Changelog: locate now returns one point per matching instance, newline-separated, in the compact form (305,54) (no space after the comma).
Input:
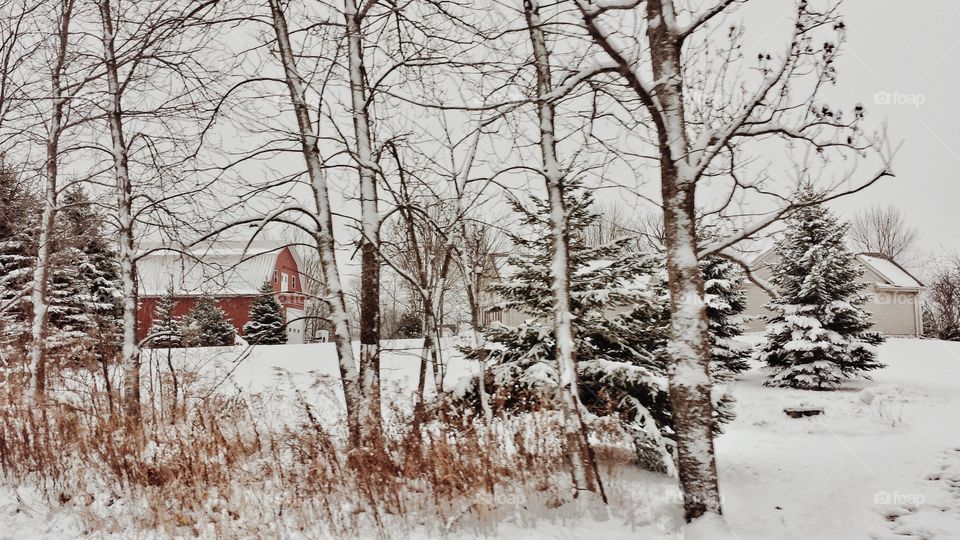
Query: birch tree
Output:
(326,246)
(157,45)
(124,192)
(577,445)
(360,100)
(59,96)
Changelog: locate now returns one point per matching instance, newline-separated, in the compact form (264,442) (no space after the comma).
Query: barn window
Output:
(274,276)
(293,281)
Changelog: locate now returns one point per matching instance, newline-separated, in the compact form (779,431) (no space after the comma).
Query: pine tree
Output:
(621,331)
(165,327)
(410,325)
(84,289)
(726,301)
(818,337)
(18,218)
(267,325)
(207,325)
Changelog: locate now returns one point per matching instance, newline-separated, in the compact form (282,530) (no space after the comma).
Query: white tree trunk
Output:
(124,192)
(326,246)
(577,446)
(41,273)
(370,260)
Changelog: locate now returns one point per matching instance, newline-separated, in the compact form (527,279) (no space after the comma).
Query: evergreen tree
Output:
(19,207)
(84,288)
(621,328)
(267,325)
(410,325)
(165,327)
(207,325)
(726,301)
(818,337)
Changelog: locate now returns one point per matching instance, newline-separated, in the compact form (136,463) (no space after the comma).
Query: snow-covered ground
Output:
(865,468)
(882,462)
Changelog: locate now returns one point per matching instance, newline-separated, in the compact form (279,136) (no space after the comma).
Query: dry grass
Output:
(222,467)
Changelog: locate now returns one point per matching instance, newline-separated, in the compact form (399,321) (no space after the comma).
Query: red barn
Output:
(232,273)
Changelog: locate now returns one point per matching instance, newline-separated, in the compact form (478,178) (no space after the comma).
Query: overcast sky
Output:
(911,51)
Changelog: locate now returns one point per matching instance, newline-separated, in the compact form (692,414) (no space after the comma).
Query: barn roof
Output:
(222,268)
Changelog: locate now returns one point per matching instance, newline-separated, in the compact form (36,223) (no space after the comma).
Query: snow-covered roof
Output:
(888,269)
(231,268)
(881,265)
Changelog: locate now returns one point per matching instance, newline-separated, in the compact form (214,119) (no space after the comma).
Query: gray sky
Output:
(910,50)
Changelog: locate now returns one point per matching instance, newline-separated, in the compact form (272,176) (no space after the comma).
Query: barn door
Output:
(285,284)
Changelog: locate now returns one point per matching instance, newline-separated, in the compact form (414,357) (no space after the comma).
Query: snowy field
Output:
(882,462)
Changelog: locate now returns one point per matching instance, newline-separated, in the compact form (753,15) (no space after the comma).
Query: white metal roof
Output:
(217,268)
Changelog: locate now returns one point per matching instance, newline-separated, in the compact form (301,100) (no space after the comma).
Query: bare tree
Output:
(941,300)
(360,98)
(326,246)
(583,467)
(884,231)
(699,137)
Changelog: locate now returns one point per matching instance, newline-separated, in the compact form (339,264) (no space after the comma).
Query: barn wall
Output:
(237,309)
(286,265)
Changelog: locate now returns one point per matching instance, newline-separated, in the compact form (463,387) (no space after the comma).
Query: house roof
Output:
(222,268)
(883,266)
(889,269)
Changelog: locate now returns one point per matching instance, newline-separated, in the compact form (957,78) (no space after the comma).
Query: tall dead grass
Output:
(209,464)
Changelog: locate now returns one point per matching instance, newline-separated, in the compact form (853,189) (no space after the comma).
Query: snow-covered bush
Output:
(819,336)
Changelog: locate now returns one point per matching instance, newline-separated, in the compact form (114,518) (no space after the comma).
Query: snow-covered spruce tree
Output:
(267,325)
(726,301)
(818,337)
(410,325)
(18,222)
(84,289)
(207,325)
(165,331)
(621,327)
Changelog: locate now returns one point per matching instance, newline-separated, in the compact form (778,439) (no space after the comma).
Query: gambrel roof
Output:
(222,268)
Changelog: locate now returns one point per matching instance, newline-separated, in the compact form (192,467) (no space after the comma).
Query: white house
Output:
(894,302)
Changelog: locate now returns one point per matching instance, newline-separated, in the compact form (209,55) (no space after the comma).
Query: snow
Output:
(222,267)
(890,270)
(883,461)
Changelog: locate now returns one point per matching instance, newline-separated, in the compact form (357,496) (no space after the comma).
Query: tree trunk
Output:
(128,270)
(690,386)
(474,284)
(582,467)
(326,247)
(41,273)
(370,259)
